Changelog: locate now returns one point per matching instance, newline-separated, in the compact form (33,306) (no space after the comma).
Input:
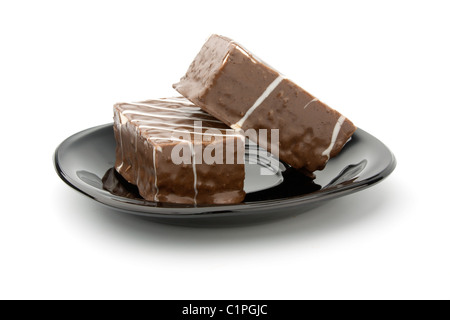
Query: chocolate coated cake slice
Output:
(175,152)
(236,87)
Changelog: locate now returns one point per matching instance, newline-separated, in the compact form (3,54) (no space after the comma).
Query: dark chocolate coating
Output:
(146,133)
(226,81)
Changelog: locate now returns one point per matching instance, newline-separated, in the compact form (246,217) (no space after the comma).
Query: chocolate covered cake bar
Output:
(175,152)
(236,87)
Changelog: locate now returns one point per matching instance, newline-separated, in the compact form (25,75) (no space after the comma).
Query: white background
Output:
(384,64)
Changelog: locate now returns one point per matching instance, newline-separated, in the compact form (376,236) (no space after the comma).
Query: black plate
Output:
(85,160)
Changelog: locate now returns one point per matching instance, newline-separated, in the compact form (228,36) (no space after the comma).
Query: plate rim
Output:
(182,211)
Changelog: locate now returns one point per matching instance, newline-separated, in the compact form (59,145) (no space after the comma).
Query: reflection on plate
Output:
(85,162)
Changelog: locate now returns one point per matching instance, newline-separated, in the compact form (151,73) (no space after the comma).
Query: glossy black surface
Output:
(87,157)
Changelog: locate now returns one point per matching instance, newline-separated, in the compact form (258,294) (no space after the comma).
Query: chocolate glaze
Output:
(233,85)
(294,184)
(117,185)
(146,133)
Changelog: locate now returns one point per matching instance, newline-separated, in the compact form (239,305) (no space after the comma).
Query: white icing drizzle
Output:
(226,58)
(155,198)
(336,130)
(121,146)
(123,120)
(194,170)
(258,102)
(189,132)
(179,128)
(137,175)
(246,53)
(176,100)
(135,151)
(142,121)
(136,140)
(158,148)
(313,100)
(184,110)
(152,120)
(140,113)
